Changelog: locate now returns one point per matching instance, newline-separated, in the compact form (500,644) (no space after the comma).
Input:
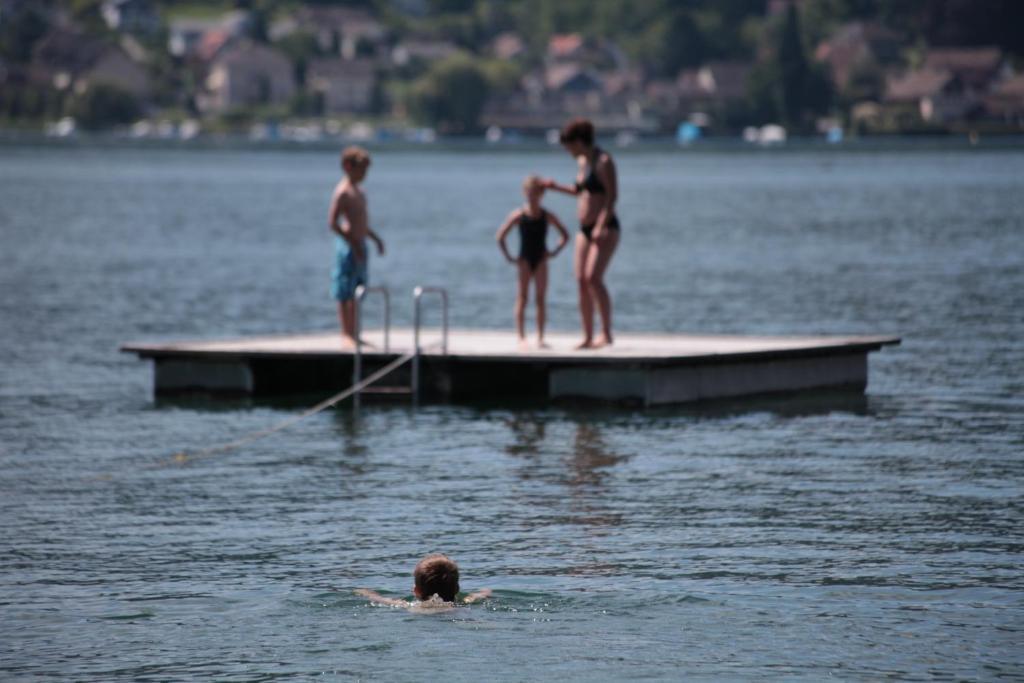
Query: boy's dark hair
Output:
(578,130)
(354,155)
(437,574)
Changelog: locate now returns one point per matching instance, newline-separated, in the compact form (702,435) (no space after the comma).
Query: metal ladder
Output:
(357,363)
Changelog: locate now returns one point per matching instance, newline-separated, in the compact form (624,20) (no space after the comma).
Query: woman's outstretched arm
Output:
(550,184)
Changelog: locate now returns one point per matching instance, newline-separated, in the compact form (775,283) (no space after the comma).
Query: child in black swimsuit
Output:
(532,264)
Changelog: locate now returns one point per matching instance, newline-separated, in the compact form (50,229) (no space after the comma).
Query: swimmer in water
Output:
(435,585)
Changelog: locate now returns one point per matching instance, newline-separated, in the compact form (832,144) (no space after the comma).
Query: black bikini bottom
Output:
(612,224)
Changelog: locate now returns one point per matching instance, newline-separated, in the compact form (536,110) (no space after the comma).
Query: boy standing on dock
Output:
(349,221)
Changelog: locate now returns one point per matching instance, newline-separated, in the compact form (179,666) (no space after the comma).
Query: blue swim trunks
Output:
(347,273)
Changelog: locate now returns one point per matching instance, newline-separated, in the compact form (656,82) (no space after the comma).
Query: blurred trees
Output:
(787,87)
(104,105)
(20,28)
(450,95)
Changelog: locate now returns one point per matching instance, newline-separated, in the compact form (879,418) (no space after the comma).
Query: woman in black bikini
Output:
(596,189)
(532,263)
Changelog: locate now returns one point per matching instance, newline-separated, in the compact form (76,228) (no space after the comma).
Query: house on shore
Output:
(131,16)
(1005,103)
(344,86)
(710,89)
(247,74)
(858,46)
(71,60)
(422,49)
(186,35)
(954,86)
(346,32)
(508,46)
(934,96)
(977,68)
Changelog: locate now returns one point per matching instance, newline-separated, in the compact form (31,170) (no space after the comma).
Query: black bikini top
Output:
(591,183)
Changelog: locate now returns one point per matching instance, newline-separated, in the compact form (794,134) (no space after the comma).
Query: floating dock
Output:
(645,369)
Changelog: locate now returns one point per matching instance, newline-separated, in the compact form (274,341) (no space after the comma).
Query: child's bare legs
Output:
(586,303)
(540,290)
(347,317)
(598,258)
(522,296)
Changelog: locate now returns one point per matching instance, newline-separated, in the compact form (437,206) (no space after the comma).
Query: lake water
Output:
(880,537)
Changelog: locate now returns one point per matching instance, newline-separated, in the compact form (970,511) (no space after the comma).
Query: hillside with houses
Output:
(419,68)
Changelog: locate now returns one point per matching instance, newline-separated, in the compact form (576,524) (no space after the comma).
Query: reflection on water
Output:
(591,456)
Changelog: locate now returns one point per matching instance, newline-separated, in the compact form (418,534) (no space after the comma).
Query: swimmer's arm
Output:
(503,231)
(606,172)
(380,599)
(561,232)
(477,596)
(550,184)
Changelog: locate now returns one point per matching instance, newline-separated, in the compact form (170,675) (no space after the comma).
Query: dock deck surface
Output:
(503,345)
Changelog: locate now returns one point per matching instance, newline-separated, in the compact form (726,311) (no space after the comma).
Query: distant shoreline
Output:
(666,144)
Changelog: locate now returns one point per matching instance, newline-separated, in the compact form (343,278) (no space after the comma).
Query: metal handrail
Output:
(417,295)
(357,361)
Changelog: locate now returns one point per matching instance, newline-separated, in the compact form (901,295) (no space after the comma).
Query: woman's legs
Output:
(598,258)
(586,303)
(522,294)
(540,290)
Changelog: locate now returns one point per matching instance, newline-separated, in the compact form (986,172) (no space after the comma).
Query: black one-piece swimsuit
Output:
(533,235)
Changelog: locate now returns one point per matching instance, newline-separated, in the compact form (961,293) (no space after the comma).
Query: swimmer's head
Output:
(436,575)
(533,187)
(355,161)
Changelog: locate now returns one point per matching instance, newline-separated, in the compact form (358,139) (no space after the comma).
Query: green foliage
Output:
(787,88)
(28,103)
(502,77)
(792,71)
(451,95)
(300,48)
(306,104)
(672,44)
(104,106)
(20,28)
(866,82)
(763,97)
(88,15)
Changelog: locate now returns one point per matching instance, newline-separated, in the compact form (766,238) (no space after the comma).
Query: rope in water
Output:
(183,456)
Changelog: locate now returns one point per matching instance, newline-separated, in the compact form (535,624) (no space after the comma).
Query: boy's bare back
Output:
(348,203)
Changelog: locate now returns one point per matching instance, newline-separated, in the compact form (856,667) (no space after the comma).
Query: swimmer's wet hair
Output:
(355,155)
(578,130)
(437,575)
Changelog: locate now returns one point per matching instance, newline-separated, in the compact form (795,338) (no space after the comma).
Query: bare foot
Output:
(348,343)
(585,344)
(523,344)
(603,340)
(541,344)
